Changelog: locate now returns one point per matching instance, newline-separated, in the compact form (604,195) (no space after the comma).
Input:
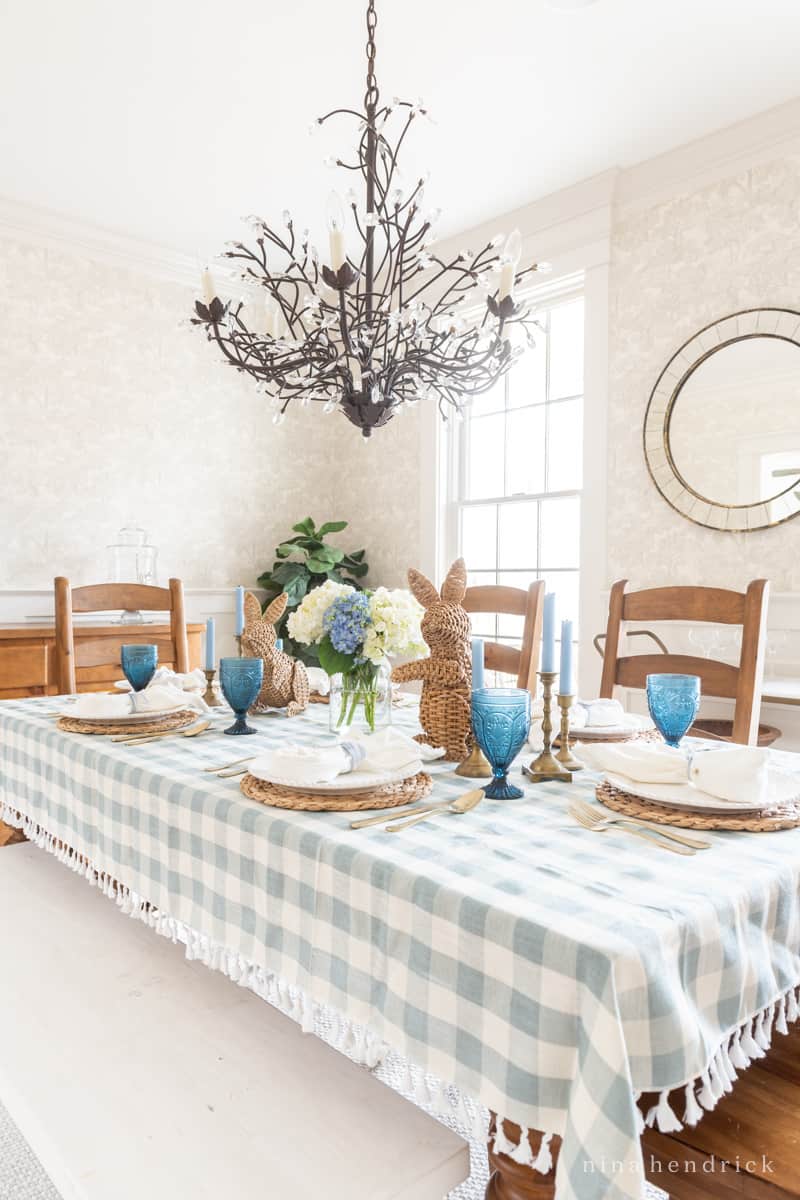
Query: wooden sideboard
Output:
(27,655)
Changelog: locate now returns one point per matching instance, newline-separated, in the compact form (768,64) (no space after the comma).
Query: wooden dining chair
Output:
(718,606)
(113,597)
(517,602)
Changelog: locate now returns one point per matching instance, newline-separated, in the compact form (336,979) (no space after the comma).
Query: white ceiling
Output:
(169,119)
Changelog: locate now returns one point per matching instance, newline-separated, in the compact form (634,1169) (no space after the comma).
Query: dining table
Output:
(519,962)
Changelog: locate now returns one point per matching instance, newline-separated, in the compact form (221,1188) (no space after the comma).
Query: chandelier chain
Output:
(371,95)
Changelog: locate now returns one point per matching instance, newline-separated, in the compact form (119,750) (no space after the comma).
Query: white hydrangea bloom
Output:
(305,623)
(395,628)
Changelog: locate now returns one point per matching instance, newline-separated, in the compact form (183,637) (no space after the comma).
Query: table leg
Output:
(510,1180)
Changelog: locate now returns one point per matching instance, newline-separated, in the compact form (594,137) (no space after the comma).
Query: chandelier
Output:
(386,321)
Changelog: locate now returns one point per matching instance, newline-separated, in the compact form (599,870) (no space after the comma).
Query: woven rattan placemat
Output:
(785,816)
(159,724)
(416,787)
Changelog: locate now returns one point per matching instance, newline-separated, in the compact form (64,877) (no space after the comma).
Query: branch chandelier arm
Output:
(386,322)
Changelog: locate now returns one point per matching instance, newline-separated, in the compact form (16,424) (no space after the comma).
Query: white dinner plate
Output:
(600,733)
(130,718)
(353,781)
(781,787)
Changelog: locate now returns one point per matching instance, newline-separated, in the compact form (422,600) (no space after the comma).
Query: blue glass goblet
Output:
(501,720)
(673,701)
(139,664)
(241,680)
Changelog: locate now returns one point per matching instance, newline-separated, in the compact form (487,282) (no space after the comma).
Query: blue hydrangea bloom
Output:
(347,621)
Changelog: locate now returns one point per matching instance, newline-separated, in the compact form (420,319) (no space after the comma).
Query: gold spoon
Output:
(139,739)
(461,804)
(234,763)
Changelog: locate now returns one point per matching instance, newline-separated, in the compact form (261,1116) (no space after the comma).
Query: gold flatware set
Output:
(603,822)
(411,816)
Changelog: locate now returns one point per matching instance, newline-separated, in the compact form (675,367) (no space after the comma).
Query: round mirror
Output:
(722,430)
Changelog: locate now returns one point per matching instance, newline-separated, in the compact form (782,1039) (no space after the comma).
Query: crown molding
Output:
(720,155)
(55,231)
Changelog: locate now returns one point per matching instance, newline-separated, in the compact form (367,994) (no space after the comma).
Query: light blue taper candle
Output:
(239,611)
(565,681)
(549,633)
(477,663)
(211,655)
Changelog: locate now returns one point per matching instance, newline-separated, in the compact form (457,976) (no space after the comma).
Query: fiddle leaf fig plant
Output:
(301,564)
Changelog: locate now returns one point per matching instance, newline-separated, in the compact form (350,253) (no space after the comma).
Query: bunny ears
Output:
(453,588)
(272,614)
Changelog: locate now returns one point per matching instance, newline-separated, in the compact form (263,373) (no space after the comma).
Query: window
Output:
(516,473)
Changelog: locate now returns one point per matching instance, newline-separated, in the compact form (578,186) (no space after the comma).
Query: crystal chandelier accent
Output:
(386,321)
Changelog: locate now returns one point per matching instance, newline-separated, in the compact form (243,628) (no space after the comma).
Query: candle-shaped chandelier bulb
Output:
(335,217)
(509,260)
(207,285)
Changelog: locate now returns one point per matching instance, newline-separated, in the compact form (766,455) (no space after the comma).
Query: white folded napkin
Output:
(388,751)
(641,762)
(187,681)
(319,680)
(739,774)
(596,714)
(101,706)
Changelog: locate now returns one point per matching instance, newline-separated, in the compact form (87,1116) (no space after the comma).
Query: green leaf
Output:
(306,527)
(318,566)
(333,661)
(357,555)
(329,554)
(331,527)
(359,570)
(285,549)
(288,571)
(296,590)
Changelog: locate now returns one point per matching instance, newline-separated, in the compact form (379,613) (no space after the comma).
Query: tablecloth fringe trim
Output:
(356,1041)
(522,1152)
(738,1050)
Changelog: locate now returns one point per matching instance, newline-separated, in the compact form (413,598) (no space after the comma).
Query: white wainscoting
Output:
(783,660)
(35,607)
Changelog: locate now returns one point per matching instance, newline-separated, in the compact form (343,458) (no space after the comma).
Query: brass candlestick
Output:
(475,766)
(210,696)
(565,755)
(546,767)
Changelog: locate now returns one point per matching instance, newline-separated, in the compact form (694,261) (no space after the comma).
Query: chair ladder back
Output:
(742,683)
(519,602)
(112,597)
(751,663)
(65,641)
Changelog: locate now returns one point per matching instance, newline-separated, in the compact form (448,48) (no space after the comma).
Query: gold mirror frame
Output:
(780,323)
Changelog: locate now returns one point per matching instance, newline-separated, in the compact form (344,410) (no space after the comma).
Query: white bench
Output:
(136,1075)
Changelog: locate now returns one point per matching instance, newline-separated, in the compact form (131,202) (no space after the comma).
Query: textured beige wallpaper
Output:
(112,413)
(677,267)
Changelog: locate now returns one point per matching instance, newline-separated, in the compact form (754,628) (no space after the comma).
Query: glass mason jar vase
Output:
(361,698)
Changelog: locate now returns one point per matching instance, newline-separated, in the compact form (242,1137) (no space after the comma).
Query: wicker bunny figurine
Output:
(444,710)
(285,680)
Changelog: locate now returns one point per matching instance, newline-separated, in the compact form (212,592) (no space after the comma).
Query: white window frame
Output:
(454,449)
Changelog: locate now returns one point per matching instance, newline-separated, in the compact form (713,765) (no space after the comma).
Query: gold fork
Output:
(611,818)
(597,825)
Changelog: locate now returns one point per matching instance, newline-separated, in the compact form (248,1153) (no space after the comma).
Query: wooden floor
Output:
(758,1124)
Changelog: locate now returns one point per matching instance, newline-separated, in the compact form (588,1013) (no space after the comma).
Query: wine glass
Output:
(241,680)
(673,701)
(501,720)
(139,664)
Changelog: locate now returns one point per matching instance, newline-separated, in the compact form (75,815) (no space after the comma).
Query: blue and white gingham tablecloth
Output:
(550,972)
